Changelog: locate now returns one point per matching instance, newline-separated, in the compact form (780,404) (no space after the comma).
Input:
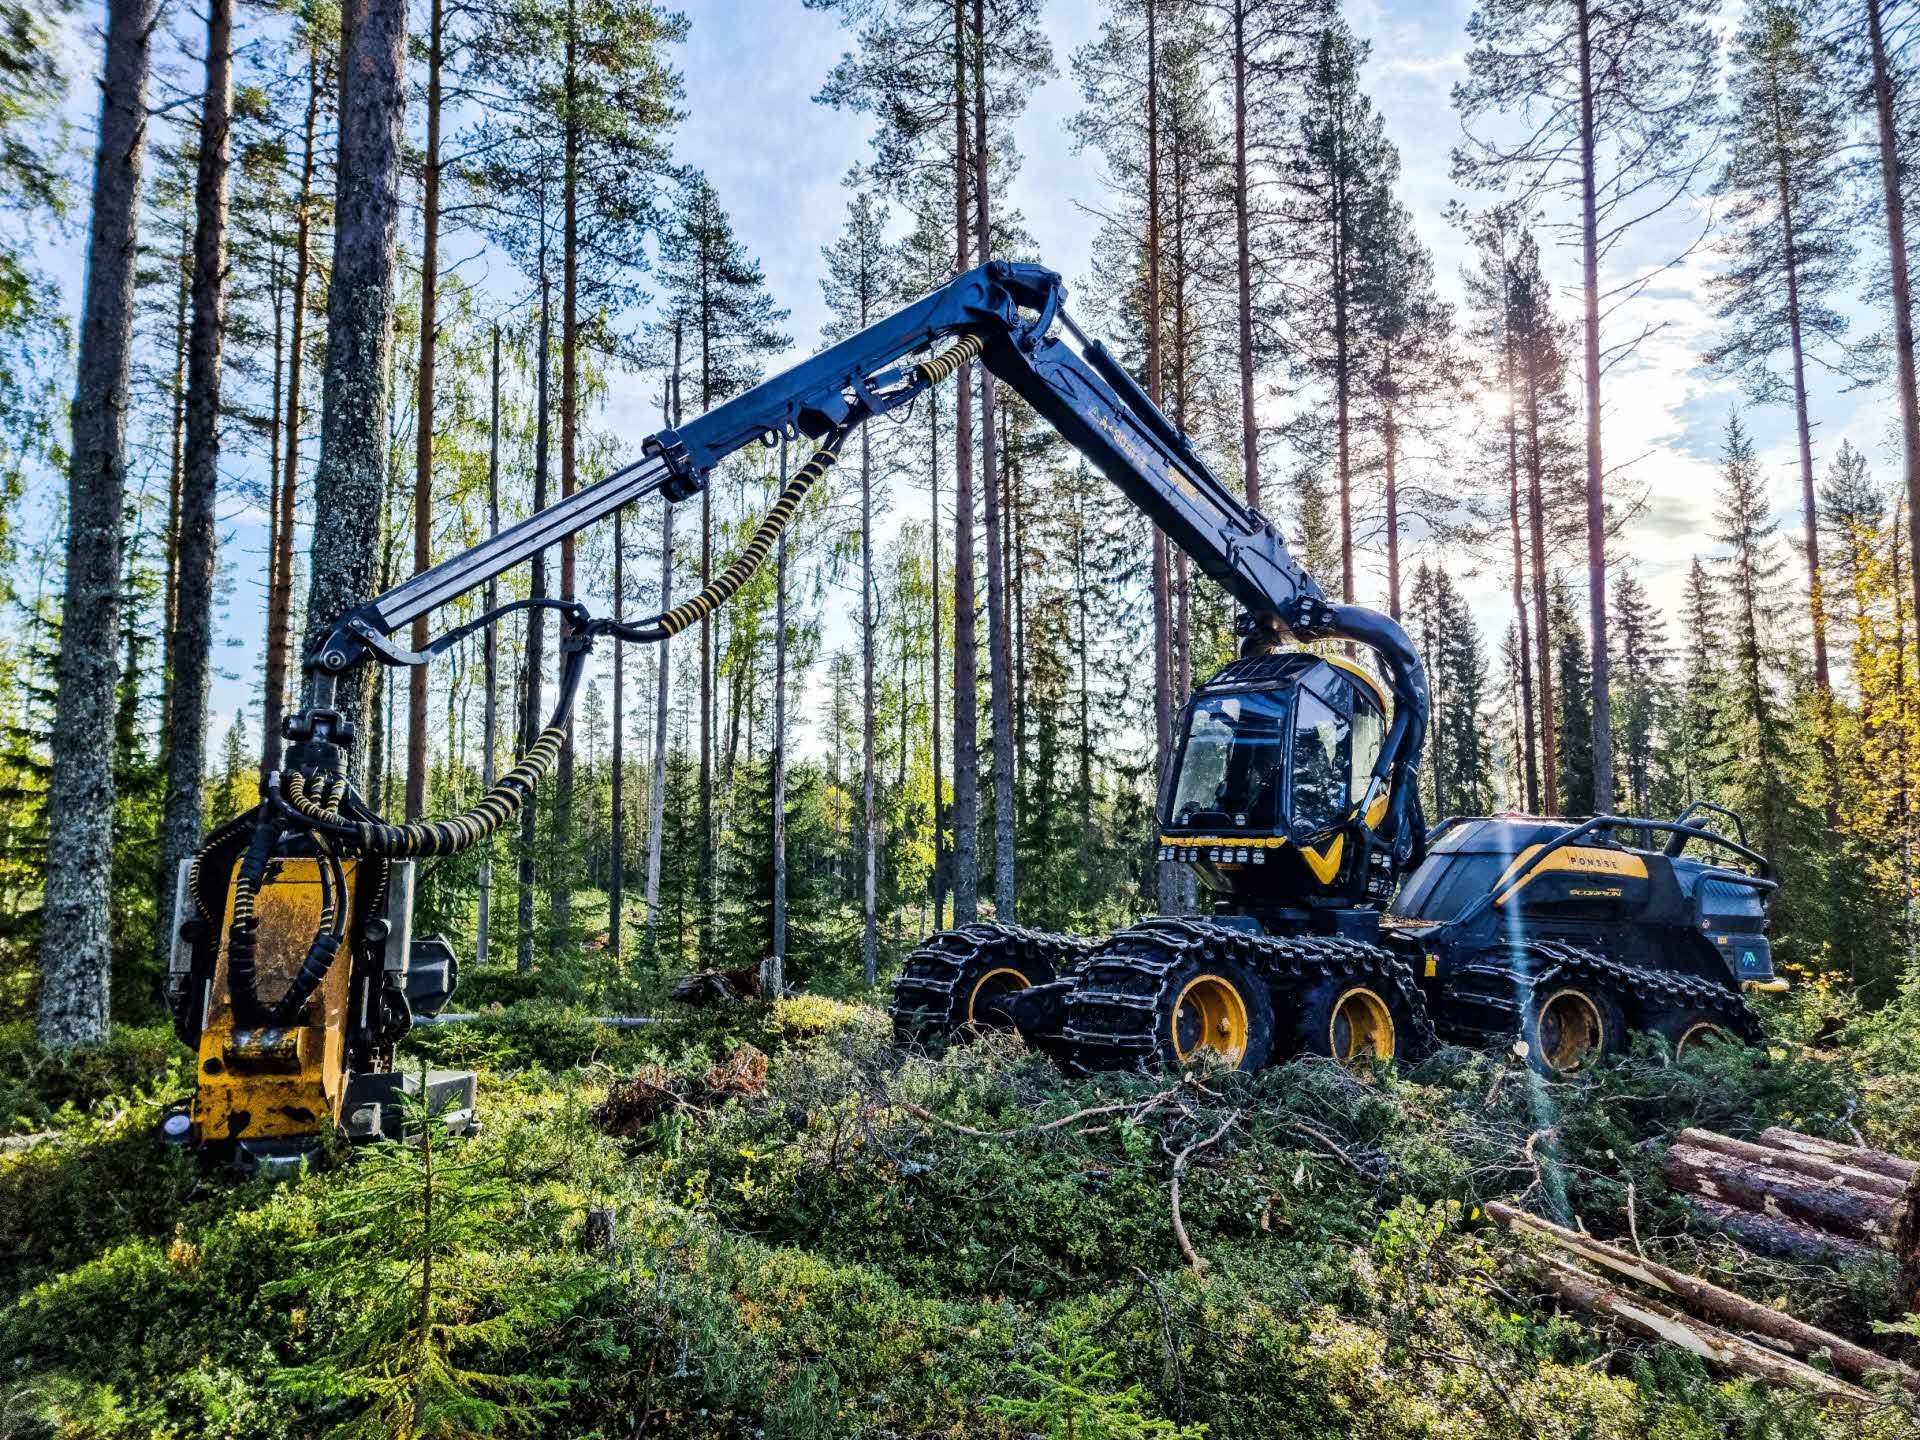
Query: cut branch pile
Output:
(635,1103)
(1796,1197)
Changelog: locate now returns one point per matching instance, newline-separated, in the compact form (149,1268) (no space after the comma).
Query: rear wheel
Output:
(1215,1011)
(1692,1029)
(1570,1024)
(962,979)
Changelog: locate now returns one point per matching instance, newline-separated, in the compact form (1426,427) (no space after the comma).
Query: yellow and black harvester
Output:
(1292,794)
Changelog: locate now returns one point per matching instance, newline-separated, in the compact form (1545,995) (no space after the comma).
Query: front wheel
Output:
(962,979)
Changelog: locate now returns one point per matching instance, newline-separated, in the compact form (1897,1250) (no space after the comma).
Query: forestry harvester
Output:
(1291,793)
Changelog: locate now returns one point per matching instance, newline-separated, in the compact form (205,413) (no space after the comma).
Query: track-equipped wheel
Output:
(1571,1023)
(1170,988)
(1694,1027)
(1355,1019)
(964,978)
(1217,1012)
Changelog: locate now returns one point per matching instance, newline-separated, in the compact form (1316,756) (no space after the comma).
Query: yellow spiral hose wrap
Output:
(728,582)
(947,361)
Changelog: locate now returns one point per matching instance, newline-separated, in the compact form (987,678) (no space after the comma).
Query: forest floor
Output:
(855,1240)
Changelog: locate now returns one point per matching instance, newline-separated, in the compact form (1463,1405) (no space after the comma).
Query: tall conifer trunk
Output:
(76,955)
(569,429)
(423,412)
(490,654)
(186,739)
(536,625)
(280,599)
(1243,258)
(1903,345)
(663,683)
(1596,475)
(966,657)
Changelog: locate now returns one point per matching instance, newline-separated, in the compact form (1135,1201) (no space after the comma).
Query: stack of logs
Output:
(1788,1195)
(1797,1197)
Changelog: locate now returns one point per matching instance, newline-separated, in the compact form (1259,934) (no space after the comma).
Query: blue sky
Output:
(778,160)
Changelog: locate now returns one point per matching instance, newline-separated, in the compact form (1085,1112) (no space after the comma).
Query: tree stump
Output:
(603,1229)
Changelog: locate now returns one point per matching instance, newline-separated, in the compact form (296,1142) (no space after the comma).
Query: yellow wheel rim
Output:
(1695,1033)
(1211,1014)
(1361,1028)
(990,987)
(1568,1031)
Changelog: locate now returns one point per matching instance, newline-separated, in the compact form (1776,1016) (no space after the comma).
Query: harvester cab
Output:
(1271,797)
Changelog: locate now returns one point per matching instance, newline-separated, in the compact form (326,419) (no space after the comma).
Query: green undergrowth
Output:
(889,1245)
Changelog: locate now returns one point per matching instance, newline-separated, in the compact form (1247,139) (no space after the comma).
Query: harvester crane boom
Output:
(1005,315)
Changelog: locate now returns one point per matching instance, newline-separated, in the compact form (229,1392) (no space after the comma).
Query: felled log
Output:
(1708,1300)
(1879,1161)
(1656,1321)
(1777,1236)
(718,987)
(1772,1191)
(1814,1167)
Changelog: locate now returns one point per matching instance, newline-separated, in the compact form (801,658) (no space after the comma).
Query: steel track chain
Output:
(1531,963)
(1114,1014)
(927,999)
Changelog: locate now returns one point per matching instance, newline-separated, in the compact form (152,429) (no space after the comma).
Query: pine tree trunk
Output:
(536,623)
(1243,256)
(1596,476)
(1390,436)
(349,485)
(999,630)
(939,786)
(176,464)
(870,810)
(1542,625)
(774,981)
(1168,880)
(1816,597)
(966,657)
(1529,741)
(703,882)
(417,699)
(193,614)
(280,598)
(617,820)
(76,954)
(1903,345)
(663,684)
(569,440)
(490,653)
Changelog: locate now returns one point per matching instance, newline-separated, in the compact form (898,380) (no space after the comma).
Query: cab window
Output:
(1369,734)
(1322,763)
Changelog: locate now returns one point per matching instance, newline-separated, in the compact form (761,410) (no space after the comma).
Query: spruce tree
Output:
(1574,719)
(1640,661)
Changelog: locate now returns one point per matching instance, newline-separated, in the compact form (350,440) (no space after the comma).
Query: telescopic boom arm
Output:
(1004,314)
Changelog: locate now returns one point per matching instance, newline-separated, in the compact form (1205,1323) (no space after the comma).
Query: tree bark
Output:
(417,700)
(569,434)
(280,599)
(1523,638)
(176,462)
(76,953)
(349,485)
(939,786)
(870,809)
(1243,258)
(1596,475)
(1707,1300)
(1901,285)
(186,739)
(1390,438)
(1775,1137)
(966,657)
(1167,878)
(1542,629)
(1813,1167)
(617,820)
(1771,1190)
(536,622)
(657,797)
(999,630)
(774,981)
(1777,1237)
(490,655)
(1656,1321)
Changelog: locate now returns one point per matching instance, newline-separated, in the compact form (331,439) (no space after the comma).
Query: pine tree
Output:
(76,955)
(1699,747)
(1574,718)
(1791,252)
(1640,661)
(1615,99)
